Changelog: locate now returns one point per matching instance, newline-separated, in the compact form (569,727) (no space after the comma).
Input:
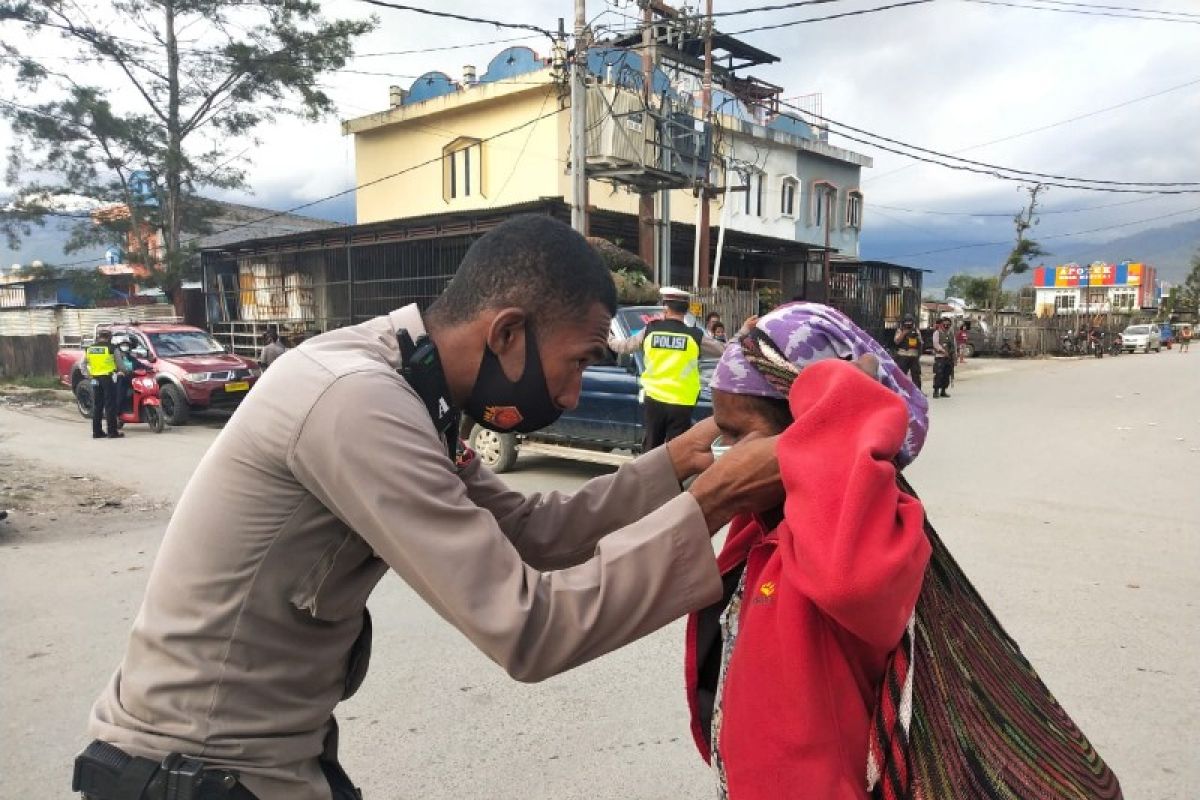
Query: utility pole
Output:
(579,220)
(829,204)
(702,227)
(646,248)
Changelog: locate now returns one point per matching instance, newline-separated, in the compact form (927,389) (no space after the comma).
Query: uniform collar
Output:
(408,318)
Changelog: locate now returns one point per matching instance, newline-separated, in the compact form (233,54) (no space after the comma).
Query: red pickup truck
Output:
(193,370)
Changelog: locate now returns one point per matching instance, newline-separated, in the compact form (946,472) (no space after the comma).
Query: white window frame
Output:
(1066,302)
(817,202)
(462,169)
(854,215)
(789,182)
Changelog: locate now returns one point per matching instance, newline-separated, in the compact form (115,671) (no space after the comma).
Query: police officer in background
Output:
(943,357)
(100,359)
(671,351)
(908,350)
(343,464)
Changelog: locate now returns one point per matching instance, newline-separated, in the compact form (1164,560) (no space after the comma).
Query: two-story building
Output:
(502,139)
(1096,288)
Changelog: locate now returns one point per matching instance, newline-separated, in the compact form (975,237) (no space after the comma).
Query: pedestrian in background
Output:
(711,320)
(273,349)
(1185,338)
(908,350)
(943,357)
(961,340)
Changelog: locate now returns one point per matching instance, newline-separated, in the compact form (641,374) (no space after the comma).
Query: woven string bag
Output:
(962,713)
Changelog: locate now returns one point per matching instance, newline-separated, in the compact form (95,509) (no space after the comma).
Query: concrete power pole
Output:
(646,245)
(702,228)
(579,219)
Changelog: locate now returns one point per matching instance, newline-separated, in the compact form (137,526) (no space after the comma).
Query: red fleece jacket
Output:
(827,596)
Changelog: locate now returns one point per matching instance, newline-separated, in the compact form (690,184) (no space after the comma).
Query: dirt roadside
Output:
(42,503)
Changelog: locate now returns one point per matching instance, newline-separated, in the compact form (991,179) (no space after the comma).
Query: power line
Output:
(461,17)
(995,170)
(1045,238)
(335,195)
(1047,127)
(1120,8)
(857,13)
(1009,214)
(1086,13)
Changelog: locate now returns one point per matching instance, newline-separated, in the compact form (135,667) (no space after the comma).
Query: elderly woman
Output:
(784,674)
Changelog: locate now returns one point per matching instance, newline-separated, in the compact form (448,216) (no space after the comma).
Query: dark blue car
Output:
(608,417)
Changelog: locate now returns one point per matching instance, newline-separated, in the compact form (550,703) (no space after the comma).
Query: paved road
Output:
(1068,490)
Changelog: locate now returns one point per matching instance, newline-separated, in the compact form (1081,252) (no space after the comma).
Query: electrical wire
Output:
(995,170)
(1081,11)
(858,13)
(461,17)
(1008,243)
(1047,127)
(1120,8)
(1009,214)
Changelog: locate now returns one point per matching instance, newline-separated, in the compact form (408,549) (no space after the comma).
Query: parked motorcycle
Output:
(142,404)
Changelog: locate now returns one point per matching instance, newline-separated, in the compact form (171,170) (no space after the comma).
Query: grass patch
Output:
(34,381)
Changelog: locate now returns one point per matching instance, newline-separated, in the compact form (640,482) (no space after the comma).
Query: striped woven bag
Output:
(962,714)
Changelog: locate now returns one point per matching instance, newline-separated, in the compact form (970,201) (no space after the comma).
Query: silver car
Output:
(1143,337)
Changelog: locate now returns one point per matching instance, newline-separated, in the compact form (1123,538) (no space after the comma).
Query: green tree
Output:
(1020,258)
(180,111)
(976,290)
(1187,296)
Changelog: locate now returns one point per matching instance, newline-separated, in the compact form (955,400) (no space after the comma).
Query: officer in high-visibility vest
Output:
(101,362)
(671,375)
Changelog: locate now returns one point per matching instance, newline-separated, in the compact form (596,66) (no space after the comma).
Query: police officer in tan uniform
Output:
(341,465)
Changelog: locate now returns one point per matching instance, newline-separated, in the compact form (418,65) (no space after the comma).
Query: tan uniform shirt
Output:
(329,473)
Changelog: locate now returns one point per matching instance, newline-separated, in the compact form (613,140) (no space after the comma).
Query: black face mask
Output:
(505,406)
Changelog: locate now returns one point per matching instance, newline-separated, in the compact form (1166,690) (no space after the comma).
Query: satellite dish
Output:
(37,264)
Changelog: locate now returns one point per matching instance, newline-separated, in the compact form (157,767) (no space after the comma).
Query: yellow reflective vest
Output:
(101,361)
(671,350)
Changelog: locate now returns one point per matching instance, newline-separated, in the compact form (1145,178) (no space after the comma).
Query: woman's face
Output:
(739,415)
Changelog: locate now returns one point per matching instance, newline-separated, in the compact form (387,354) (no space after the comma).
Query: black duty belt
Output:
(105,772)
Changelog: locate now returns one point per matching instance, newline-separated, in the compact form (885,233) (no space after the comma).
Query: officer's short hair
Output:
(533,262)
(678,306)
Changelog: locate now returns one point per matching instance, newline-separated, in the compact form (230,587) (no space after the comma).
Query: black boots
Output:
(940,393)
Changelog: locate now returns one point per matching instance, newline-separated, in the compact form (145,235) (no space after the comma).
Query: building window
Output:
(854,209)
(1124,300)
(754,188)
(787,196)
(1064,303)
(462,169)
(822,196)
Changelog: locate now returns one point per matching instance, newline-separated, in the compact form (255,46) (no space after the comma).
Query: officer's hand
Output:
(746,479)
(691,452)
(869,364)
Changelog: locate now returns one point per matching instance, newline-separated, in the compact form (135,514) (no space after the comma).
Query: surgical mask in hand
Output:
(719,448)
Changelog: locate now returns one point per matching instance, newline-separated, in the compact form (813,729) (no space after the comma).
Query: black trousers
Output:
(664,421)
(911,366)
(104,405)
(942,367)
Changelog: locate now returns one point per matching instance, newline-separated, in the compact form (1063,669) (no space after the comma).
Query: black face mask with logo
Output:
(504,406)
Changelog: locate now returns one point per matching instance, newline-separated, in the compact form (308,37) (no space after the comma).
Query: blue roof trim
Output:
(429,86)
(725,103)
(791,125)
(511,62)
(625,69)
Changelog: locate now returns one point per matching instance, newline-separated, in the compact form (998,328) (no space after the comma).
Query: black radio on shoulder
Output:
(421,366)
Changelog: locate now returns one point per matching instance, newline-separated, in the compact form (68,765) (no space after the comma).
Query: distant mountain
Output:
(45,244)
(1169,249)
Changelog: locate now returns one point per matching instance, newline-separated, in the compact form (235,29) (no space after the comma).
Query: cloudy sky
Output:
(949,75)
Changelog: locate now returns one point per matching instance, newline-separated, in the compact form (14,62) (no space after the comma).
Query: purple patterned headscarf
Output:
(809,332)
